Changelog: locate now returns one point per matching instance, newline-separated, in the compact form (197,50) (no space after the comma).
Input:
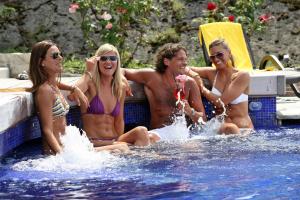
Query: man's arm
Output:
(138,75)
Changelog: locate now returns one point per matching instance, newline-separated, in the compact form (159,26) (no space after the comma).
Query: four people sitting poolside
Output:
(104,86)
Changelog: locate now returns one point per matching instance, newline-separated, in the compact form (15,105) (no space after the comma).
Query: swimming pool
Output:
(264,165)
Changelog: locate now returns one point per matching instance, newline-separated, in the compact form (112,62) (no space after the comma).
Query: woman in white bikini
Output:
(229,87)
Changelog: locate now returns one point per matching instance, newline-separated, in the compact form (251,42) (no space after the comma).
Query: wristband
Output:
(73,88)
(197,75)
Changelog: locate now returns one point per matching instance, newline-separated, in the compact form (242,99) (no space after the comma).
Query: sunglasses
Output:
(219,55)
(55,55)
(106,58)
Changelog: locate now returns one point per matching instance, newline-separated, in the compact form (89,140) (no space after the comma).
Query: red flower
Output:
(231,18)
(265,17)
(211,6)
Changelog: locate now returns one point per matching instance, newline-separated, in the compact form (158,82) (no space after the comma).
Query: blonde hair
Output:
(222,42)
(117,84)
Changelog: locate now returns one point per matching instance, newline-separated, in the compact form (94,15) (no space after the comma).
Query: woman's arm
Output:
(197,73)
(87,77)
(75,93)
(239,84)
(195,108)
(44,101)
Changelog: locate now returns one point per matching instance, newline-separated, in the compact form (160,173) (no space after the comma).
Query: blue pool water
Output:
(264,165)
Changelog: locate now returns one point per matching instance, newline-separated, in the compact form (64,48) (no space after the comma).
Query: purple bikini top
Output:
(96,107)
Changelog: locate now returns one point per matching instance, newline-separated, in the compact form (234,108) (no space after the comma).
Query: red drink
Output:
(181,94)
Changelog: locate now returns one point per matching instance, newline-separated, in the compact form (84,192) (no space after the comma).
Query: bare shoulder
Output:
(241,77)
(191,83)
(44,94)
(205,72)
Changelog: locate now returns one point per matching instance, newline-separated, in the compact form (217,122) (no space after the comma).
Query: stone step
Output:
(4,72)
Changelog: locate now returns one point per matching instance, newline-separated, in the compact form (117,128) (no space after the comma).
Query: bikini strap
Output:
(215,80)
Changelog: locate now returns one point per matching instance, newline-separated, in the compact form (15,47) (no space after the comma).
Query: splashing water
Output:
(178,130)
(77,155)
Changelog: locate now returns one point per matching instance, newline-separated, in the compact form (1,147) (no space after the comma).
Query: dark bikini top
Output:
(97,108)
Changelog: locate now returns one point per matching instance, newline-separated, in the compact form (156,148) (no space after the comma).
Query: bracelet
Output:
(73,88)
(196,76)
(89,74)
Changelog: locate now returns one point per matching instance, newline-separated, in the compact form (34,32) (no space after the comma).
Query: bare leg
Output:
(138,136)
(122,147)
(229,128)
(153,137)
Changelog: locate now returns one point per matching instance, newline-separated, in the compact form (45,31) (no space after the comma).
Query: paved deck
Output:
(288,108)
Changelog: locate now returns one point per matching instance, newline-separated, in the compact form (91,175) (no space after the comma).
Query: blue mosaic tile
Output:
(26,130)
(137,114)
(262,111)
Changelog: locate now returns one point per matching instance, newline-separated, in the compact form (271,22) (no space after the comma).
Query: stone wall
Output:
(37,20)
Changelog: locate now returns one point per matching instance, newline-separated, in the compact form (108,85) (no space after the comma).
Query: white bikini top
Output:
(242,98)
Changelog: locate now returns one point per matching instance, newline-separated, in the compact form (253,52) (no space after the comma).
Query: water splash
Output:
(78,155)
(178,130)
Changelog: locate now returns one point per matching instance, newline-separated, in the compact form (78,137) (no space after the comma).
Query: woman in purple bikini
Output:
(105,88)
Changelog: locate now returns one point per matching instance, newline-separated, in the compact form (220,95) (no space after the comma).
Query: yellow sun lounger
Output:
(238,43)
(234,36)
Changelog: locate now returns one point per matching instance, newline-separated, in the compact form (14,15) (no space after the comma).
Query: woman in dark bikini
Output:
(229,86)
(103,120)
(44,69)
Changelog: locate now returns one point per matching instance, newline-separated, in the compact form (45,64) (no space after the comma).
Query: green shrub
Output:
(74,65)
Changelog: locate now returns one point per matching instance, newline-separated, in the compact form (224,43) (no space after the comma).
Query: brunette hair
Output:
(37,74)
(168,51)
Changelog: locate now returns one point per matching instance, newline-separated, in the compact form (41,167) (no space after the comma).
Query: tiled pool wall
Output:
(262,111)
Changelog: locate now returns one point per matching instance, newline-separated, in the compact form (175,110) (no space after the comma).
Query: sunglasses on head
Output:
(55,55)
(218,55)
(106,58)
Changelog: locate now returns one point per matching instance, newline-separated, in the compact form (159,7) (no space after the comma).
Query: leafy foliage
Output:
(245,12)
(112,21)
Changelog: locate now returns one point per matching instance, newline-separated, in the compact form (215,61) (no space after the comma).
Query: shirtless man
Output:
(160,84)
